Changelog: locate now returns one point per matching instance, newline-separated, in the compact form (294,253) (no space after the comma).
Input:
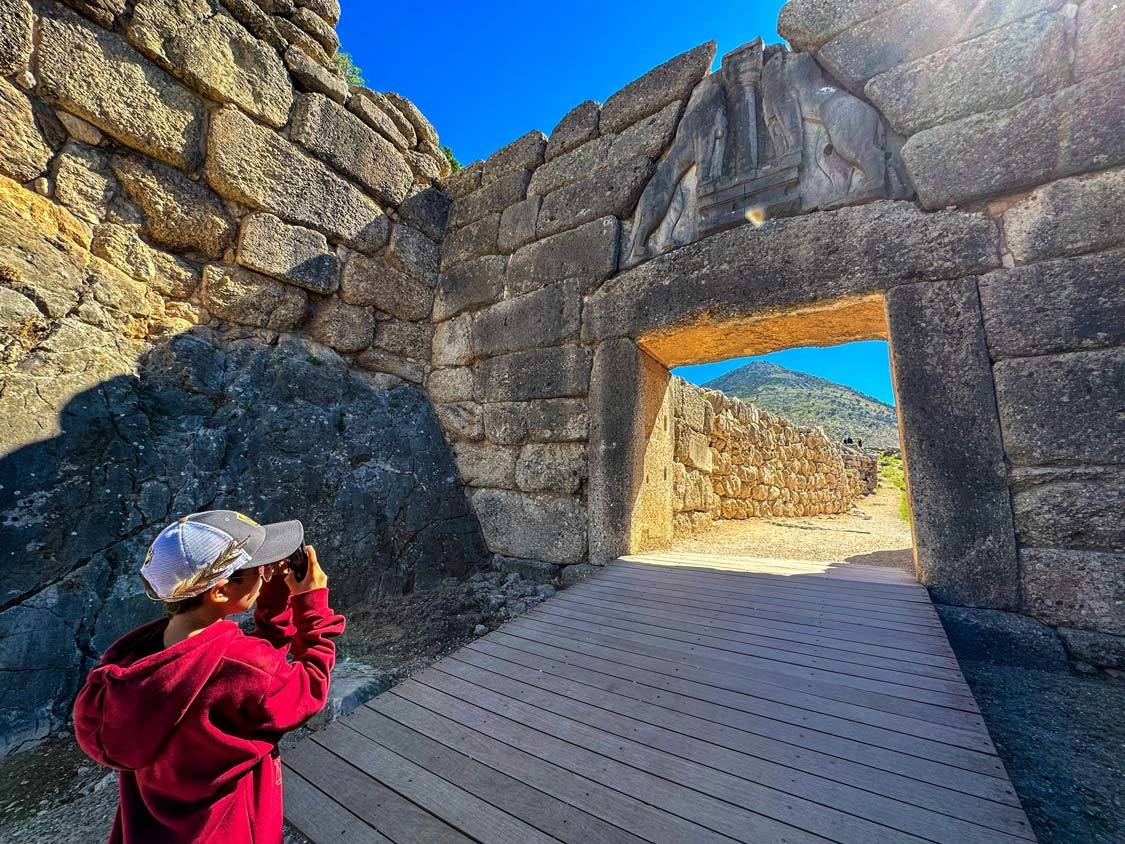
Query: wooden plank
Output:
(380,807)
(784,808)
(673,796)
(613,806)
(320,818)
(539,808)
(894,802)
(849,574)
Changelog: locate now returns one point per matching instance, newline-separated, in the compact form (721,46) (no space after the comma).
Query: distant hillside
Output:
(808,400)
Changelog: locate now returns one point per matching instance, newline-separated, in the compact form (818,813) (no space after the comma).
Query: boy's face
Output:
(243,587)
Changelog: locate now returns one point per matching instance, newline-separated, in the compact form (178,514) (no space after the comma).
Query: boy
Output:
(189,709)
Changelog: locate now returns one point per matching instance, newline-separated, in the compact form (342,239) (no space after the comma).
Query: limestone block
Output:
(96,75)
(426,208)
(551,467)
(338,137)
(578,125)
(1075,588)
(1002,151)
(1070,507)
(15,37)
(290,253)
(524,153)
(452,346)
(343,327)
(546,527)
(1100,33)
(316,79)
(692,448)
(998,69)
(469,285)
(424,167)
(587,254)
(79,129)
(452,385)
(375,110)
(461,421)
(546,420)
(806,24)
(293,35)
(611,191)
(373,281)
(517,225)
(465,181)
(260,169)
(544,317)
(421,126)
(318,30)
(83,181)
(486,465)
(947,410)
(558,372)
(254,18)
(123,247)
(648,138)
(380,360)
(1067,407)
(533,571)
(571,167)
(1073,304)
(214,55)
(473,241)
(1081,214)
(329,10)
(408,339)
(178,213)
(412,252)
(494,197)
(673,80)
(245,297)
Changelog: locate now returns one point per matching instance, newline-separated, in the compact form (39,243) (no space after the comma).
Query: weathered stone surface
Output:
(245,297)
(450,385)
(98,76)
(587,253)
(251,165)
(611,191)
(424,167)
(569,575)
(995,70)
(1001,151)
(571,166)
(15,37)
(551,467)
(1070,507)
(496,196)
(318,30)
(469,285)
(1073,304)
(79,129)
(547,527)
(372,281)
(426,208)
(414,253)
(254,18)
(524,153)
(314,78)
(546,420)
(809,23)
(671,81)
(1067,407)
(535,571)
(329,10)
(380,360)
(465,181)
(782,265)
(291,253)
(544,317)
(24,152)
(517,225)
(343,327)
(1075,588)
(337,136)
(693,448)
(83,181)
(1100,32)
(461,421)
(422,128)
(1097,649)
(558,372)
(408,339)
(484,464)
(578,125)
(376,111)
(123,247)
(214,55)
(1069,216)
(452,346)
(915,29)
(473,241)
(179,213)
(952,438)
(300,40)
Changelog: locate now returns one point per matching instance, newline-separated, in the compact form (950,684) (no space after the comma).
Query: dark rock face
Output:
(212,421)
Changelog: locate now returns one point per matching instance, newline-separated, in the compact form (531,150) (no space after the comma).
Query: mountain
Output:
(808,400)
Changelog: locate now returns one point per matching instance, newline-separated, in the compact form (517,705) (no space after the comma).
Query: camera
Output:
(298,562)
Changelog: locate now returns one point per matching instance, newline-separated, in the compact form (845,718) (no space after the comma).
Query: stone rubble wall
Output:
(733,460)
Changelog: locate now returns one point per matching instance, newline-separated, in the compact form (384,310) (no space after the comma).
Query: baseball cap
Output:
(194,553)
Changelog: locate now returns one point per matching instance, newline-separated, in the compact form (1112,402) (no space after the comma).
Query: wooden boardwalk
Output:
(676,699)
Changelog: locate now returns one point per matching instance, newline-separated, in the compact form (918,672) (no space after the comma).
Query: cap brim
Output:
(281,540)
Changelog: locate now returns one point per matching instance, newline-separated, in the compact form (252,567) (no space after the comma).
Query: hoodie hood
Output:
(140,691)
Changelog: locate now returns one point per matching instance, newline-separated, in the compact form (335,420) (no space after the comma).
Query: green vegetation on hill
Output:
(809,400)
(893,472)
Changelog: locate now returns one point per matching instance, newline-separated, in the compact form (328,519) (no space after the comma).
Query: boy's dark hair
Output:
(172,608)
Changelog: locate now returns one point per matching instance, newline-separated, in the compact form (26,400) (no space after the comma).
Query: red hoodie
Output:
(193,729)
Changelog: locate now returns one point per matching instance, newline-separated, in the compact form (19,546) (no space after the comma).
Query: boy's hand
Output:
(315,578)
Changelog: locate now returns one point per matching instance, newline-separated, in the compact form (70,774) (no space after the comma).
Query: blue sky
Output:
(485,73)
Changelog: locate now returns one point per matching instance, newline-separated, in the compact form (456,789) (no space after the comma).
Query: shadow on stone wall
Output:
(211,420)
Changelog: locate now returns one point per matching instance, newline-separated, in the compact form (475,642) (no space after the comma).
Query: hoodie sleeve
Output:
(298,690)
(273,615)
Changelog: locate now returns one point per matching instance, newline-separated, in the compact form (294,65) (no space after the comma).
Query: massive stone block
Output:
(1100,32)
(291,253)
(469,285)
(248,298)
(545,420)
(1075,588)
(558,372)
(495,196)
(996,70)
(1073,304)
(486,465)
(123,247)
(578,125)
(524,153)
(424,132)
(545,317)
(551,467)
(96,75)
(671,81)
(406,339)
(335,135)
(377,112)
(24,152)
(1057,408)
(414,253)
(545,527)
(608,192)
(15,37)
(1070,131)
(1070,507)
(315,78)
(473,241)
(452,346)
(426,208)
(587,253)
(517,225)
(251,165)
(372,281)
(343,327)
(807,24)
(954,453)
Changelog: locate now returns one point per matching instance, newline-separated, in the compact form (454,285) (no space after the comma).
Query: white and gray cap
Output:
(194,553)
